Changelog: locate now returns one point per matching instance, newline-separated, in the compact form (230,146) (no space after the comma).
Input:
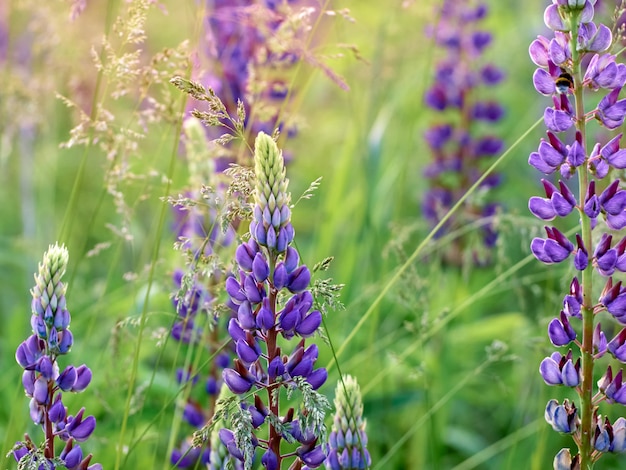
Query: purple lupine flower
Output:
(242,39)
(611,111)
(614,300)
(560,330)
(560,117)
(563,418)
(561,73)
(545,81)
(458,151)
(43,383)
(560,370)
(594,39)
(617,346)
(270,270)
(617,433)
(604,72)
(555,203)
(613,388)
(554,249)
(600,345)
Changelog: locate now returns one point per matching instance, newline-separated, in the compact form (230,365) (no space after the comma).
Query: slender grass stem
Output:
(151,275)
(498,447)
(418,250)
(69,217)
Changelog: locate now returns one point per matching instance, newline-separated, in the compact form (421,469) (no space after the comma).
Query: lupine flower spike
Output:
(458,148)
(347,443)
(271,298)
(43,382)
(601,207)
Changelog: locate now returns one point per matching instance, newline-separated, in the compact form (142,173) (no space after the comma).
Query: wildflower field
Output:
(297,234)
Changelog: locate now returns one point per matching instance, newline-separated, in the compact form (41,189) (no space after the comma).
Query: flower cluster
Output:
(43,383)
(347,443)
(271,300)
(597,253)
(458,148)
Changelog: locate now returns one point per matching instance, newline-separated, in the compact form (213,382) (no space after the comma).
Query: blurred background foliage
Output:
(447,357)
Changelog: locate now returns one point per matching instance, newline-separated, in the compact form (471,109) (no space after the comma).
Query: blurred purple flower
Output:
(457,151)
(611,111)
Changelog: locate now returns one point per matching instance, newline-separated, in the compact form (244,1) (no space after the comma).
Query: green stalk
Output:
(586,387)
(150,281)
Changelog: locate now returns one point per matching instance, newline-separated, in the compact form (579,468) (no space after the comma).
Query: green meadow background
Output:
(447,357)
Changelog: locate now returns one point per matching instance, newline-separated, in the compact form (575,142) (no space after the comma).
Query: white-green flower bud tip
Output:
(271,226)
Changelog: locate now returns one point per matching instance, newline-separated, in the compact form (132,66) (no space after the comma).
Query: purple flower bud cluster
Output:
(458,151)
(42,379)
(597,254)
(271,300)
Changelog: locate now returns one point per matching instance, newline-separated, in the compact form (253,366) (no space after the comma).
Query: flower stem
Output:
(586,388)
